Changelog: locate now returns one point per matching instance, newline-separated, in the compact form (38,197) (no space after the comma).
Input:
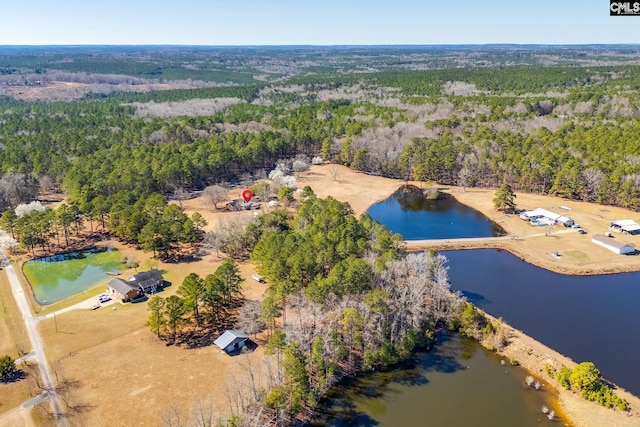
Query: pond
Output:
(55,278)
(588,318)
(458,383)
(409,213)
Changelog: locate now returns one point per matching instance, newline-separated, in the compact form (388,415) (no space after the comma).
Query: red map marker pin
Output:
(247,195)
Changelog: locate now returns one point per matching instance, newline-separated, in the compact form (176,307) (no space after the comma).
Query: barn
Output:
(613,245)
(627,226)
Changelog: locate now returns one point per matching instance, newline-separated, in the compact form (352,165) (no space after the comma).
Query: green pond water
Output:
(458,383)
(55,278)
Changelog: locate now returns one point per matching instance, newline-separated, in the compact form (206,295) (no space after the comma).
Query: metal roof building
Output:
(613,245)
(545,217)
(231,340)
(626,226)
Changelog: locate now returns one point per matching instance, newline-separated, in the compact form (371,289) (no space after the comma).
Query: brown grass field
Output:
(120,374)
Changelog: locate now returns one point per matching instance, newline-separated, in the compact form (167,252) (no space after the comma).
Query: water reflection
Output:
(458,383)
(55,278)
(583,317)
(411,214)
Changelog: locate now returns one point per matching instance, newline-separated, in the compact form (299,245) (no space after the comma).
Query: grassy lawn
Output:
(12,330)
(579,256)
(14,343)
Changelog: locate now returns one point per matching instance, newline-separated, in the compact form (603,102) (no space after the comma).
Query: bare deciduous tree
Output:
(180,194)
(333,170)
(300,166)
(215,194)
(249,318)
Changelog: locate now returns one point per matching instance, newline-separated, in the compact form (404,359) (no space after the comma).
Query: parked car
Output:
(104,298)
(258,278)
(581,231)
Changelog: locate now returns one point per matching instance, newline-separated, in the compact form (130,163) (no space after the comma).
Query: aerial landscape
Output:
(331,214)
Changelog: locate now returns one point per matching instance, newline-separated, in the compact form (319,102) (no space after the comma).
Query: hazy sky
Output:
(321,22)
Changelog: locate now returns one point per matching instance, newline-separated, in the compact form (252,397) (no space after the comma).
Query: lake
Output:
(587,318)
(55,278)
(458,383)
(583,317)
(409,213)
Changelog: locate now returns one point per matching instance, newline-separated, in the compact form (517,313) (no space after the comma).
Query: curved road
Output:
(37,352)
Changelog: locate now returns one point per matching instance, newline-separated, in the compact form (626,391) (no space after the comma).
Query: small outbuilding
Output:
(627,226)
(231,341)
(613,245)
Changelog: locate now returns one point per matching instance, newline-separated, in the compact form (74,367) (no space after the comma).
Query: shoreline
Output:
(578,255)
(531,354)
(534,356)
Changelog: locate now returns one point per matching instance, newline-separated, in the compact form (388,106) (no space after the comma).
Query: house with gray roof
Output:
(147,282)
(123,290)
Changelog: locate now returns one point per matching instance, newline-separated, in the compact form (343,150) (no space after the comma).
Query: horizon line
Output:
(635,44)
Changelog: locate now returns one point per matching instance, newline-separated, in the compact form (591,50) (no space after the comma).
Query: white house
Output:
(541,216)
(625,226)
(613,245)
(231,341)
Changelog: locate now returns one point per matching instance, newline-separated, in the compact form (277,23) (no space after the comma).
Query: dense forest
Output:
(542,120)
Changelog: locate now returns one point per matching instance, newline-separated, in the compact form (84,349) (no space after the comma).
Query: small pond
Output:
(55,278)
(409,213)
(458,383)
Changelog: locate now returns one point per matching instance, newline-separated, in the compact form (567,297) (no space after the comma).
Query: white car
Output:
(104,298)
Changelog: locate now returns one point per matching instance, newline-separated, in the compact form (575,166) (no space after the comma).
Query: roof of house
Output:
(147,279)
(547,214)
(610,241)
(228,337)
(122,286)
(627,224)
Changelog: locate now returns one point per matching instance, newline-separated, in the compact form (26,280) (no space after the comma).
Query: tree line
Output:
(148,222)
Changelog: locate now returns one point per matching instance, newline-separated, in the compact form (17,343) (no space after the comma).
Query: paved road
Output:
(37,352)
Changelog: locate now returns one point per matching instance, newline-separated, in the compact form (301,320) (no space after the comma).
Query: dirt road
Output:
(37,352)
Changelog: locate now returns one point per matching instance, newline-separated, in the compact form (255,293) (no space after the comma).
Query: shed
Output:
(613,245)
(231,340)
(628,226)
